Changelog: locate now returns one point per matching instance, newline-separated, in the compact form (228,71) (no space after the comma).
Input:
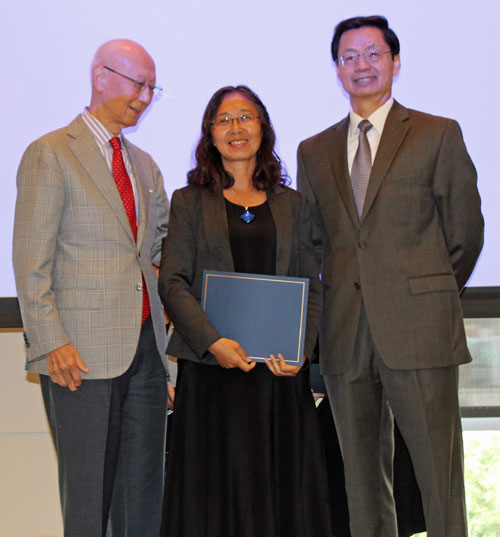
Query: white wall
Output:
(29,498)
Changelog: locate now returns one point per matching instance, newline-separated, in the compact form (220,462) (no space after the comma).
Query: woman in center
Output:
(245,456)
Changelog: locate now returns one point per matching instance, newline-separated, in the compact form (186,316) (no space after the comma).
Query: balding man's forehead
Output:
(123,51)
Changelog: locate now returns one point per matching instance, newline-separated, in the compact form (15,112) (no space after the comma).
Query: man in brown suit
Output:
(397,247)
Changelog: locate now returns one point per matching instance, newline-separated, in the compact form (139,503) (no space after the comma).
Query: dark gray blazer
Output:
(411,252)
(198,239)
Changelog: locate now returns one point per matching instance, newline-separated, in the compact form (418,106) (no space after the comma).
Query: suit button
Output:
(362,244)
(139,286)
(357,285)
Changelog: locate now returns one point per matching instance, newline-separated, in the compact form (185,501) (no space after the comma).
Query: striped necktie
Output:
(362,166)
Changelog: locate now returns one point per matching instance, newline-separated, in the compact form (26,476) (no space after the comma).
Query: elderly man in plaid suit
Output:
(91,213)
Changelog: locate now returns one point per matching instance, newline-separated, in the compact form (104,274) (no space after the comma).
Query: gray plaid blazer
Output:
(78,268)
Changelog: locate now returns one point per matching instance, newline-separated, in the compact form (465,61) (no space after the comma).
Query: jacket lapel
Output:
(215,223)
(281,211)
(89,155)
(340,170)
(395,130)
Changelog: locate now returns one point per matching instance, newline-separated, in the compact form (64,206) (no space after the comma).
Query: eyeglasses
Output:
(226,121)
(369,57)
(139,86)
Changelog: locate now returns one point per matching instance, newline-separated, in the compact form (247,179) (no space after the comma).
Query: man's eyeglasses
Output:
(226,121)
(139,86)
(370,57)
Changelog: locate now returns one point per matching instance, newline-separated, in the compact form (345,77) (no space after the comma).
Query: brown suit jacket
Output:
(411,252)
(198,239)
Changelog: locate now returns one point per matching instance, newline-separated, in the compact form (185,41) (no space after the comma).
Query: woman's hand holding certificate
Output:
(281,368)
(230,354)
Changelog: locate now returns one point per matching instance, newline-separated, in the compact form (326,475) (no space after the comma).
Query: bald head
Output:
(121,51)
(122,74)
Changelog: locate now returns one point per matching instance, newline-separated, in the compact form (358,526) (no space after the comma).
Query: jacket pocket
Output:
(432,283)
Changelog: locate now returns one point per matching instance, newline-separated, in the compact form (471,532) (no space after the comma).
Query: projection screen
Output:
(279,48)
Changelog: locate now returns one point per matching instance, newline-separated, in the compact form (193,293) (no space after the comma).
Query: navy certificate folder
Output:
(265,314)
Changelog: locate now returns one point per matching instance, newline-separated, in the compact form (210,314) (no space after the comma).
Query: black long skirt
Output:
(245,456)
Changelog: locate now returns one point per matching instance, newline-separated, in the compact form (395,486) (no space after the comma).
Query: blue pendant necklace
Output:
(247,216)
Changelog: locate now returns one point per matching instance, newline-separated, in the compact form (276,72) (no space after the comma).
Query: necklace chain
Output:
(241,202)
(247,216)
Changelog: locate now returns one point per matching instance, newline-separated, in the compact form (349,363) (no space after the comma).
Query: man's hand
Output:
(170,397)
(281,368)
(64,365)
(230,354)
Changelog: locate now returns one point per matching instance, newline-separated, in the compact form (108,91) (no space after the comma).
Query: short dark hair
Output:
(209,170)
(359,22)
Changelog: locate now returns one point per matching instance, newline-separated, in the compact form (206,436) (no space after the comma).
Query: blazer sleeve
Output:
(458,202)
(304,186)
(177,274)
(39,207)
(309,268)
(162,212)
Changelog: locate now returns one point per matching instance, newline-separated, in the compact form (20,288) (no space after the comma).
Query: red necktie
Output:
(124,186)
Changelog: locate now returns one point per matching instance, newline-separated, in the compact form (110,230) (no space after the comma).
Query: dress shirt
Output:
(102,136)
(377,119)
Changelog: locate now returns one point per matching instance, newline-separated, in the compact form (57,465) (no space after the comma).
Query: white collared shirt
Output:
(102,136)
(377,119)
